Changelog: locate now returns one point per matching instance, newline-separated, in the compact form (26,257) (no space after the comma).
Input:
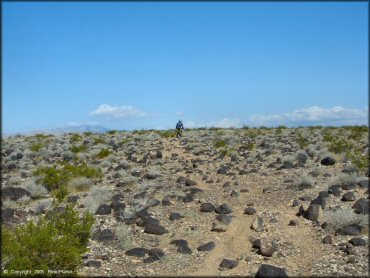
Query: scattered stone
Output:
(363,183)
(267,249)
(327,161)
(155,229)
(327,239)
(257,224)
(293,222)
(361,206)
(155,254)
(314,213)
(104,235)
(13,193)
(228,264)
(182,246)
(266,271)
(334,189)
(206,247)
(93,263)
(189,182)
(348,197)
(137,252)
(357,241)
(249,211)
(218,227)
(352,229)
(175,216)
(207,207)
(223,209)
(223,170)
(223,218)
(234,194)
(103,209)
(320,201)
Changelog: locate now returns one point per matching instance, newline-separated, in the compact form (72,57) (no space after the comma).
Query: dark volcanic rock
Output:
(225,219)
(223,170)
(182,246)
(175,216)
(328,239)
(266,271)
(353,230)
(137,252)
(349,196)
(155,254)
(93,263)
(314,212)
(320,201)
(328,161)
(361,206)
(7,216)
(104,235)
(103,209)
(206,247)
(249,211)
(223,209)
(143,221)
(357,241)
(334,189)
(228,264)
(155,229)
(286,165)
(190,182)
(13,193)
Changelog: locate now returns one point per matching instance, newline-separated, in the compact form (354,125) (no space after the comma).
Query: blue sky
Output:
(145,65)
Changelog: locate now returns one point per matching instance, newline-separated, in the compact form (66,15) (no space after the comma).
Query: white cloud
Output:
(224,123)
(116,112)
(179,113)
(314,115)
(82,124)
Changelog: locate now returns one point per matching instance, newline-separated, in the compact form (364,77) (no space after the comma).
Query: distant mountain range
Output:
(67,129)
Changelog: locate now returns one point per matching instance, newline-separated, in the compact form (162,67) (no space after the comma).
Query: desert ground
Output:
(216,202)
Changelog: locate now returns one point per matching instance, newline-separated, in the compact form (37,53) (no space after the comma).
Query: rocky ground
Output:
(239,202)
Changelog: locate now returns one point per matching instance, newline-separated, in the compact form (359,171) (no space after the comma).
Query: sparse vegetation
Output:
(77,149)
(57,243)
(74,138)
(219,144)
(336,219)
(103,153)
(36,147)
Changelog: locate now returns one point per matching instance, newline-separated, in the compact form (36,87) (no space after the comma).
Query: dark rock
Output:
(166,202)
(243,172)
(189,182)
(105,257)
(103,209)
(143,221)
(7,216)
(195,190)
(267,249)
(267,190)
(286,165)
(223,209)
(206,247)
(11,166)
(295,203)
(334,189)
(118,206)
(352,229)
(117,197)
(93,263)
(328,239)
(155,229)
(225,219)
(328,161)
(175,216)
(104,235)
(155,254)
(314,213)
(257,224)
(302,158)
(223,170)
(249,211)
(320,201)
(350,169)
(324,194)
(361,206)
(256,243)
(19,156)
(293,222)
(182,246)
(228,264)
(234,194)
(188,198)
(73,199)
(327,175)
(123,166)
(357,241)
(363,183)
(266,271)
(137,252)
(244,190)
(349,196)
(13,193)
(151,176)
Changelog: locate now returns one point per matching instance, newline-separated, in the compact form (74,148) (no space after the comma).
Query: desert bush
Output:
(360,160)
(98,196)
(219,144)
(77,149)
(98,141)
(74,138)
(338,218)
(112,132)
(340,145)
(166,133)
(79,184)
(344,179)
(103,153)
(87,133)
(35,147)
(56,177)
(36,190)
(124,236)
(68,155)
(305,182)
(125,141)
(302,141)
(43,205)
(55,243)
(105,163)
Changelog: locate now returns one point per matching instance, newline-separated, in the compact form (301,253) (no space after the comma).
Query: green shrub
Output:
(340,145)
(57,243)
(87,133)
(54,177)
(103,153)
(220,144)
(74,138)
(111,131)
(41,136)
(360,160)
(36,147)
(125,141)
(77,149)
(98,141)
(166,133)
(302,141)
